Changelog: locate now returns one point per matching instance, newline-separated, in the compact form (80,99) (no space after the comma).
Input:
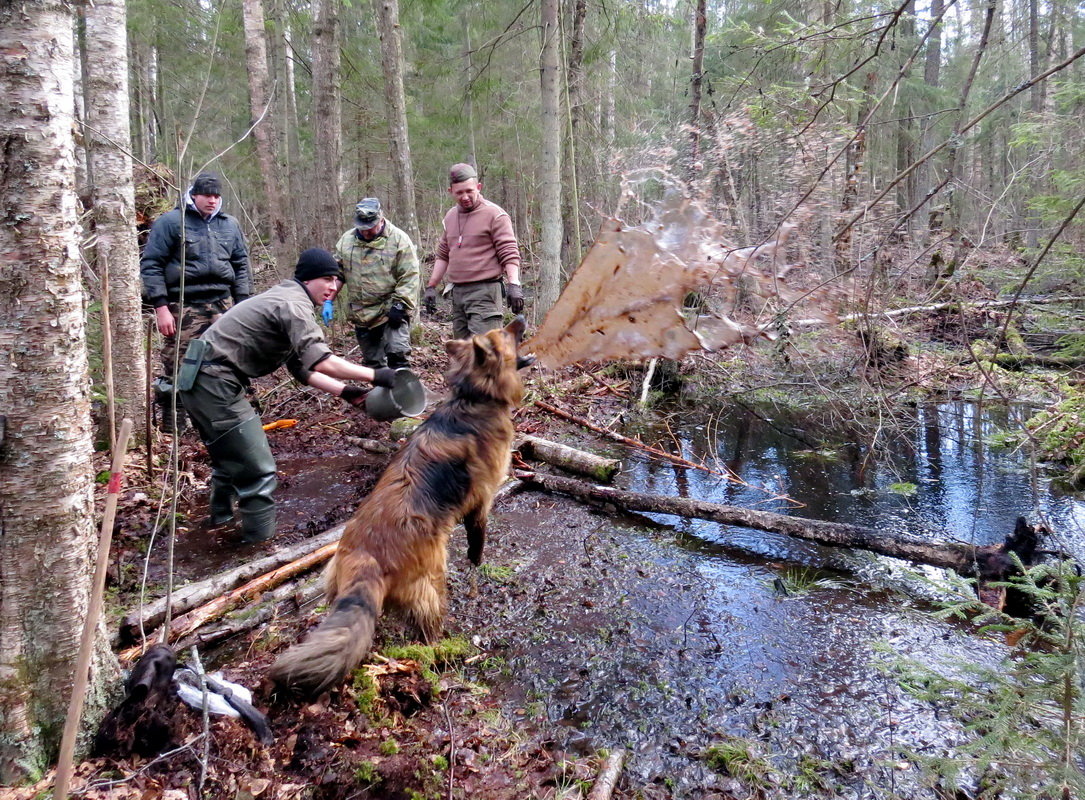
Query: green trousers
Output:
(242,465)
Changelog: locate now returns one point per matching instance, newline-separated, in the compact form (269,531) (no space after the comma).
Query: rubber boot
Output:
(258,526)
(163,398)
(398,360)
(242,454)
(221,504)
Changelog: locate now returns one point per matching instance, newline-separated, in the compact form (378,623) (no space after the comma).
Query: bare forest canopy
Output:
(669,287)
(925,135)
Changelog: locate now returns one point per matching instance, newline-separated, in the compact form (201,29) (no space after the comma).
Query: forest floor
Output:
(464,719)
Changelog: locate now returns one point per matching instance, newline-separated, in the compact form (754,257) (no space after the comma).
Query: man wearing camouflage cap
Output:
(477,248)
(381,268)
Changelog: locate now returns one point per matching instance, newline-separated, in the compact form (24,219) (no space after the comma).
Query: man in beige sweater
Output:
(477,248)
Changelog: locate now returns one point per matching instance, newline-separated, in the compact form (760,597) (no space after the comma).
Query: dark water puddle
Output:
(940,473)
(314,494)
(667,636)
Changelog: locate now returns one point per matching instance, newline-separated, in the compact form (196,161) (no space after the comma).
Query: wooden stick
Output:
(189,622)
(94,612)
(608,776)
(196,594)
(635,443)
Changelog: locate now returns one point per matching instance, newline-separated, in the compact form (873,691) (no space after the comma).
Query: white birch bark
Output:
(46,512)
(549,286)
(115,252)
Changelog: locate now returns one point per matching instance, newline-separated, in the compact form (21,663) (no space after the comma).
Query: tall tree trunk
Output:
(328,123)
(607,106)
(573,166)
(115,251)
(281,56)
(906,130)
(932,67)
(264,134)
(549,286)
(1032,223)
(468,93)
(395,100)
(147,99)
(700,25)
(944,212)
(46,508)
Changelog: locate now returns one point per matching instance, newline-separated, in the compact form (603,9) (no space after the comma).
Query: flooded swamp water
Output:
(666,636)
(599,629)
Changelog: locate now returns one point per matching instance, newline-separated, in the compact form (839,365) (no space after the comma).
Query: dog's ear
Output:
(456,347)
(517,328)
(482,350)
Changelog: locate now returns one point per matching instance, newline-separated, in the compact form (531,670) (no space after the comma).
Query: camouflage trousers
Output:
(196,319)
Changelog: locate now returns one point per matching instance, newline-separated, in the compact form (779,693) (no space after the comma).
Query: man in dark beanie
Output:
(275,328)
(209,245)
(476,249)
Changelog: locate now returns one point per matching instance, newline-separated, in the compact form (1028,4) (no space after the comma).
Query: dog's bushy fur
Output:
(394,548)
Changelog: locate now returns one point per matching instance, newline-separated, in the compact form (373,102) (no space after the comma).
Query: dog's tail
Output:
(341,641)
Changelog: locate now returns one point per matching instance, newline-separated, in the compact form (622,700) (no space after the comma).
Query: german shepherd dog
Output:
(394,548)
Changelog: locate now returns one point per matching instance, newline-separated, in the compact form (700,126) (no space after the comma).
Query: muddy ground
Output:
(587,631)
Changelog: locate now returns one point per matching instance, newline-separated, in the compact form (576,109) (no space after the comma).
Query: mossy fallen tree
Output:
(988,562)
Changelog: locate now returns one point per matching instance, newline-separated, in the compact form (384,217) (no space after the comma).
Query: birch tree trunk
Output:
(265,136)
(700,26)
(115,251)
(550,172)
(573,166)
(46,511)
(328,123)
(395,100)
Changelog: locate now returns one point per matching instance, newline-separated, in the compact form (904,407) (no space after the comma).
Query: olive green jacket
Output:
(378,273)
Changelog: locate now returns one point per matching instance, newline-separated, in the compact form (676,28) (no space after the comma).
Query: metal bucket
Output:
(406,399)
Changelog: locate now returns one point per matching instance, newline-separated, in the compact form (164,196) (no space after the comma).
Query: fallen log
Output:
(309,554)
(371,445)
(986,562)
(187,623)
(196,594)
(288,597)
(569,458)
(608,776)
(1017,361)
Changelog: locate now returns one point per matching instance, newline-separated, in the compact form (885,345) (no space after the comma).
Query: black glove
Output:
(516,297)
(430,300)
(355,395)
(397,314)
(385,376)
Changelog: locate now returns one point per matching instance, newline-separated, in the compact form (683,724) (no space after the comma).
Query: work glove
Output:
(515,294)
(430,300)
(385,376)
(328,312)
(355,395)
(397,314)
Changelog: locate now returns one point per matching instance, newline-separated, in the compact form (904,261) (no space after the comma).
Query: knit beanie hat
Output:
(460,173)
(317,263)
(207,183)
